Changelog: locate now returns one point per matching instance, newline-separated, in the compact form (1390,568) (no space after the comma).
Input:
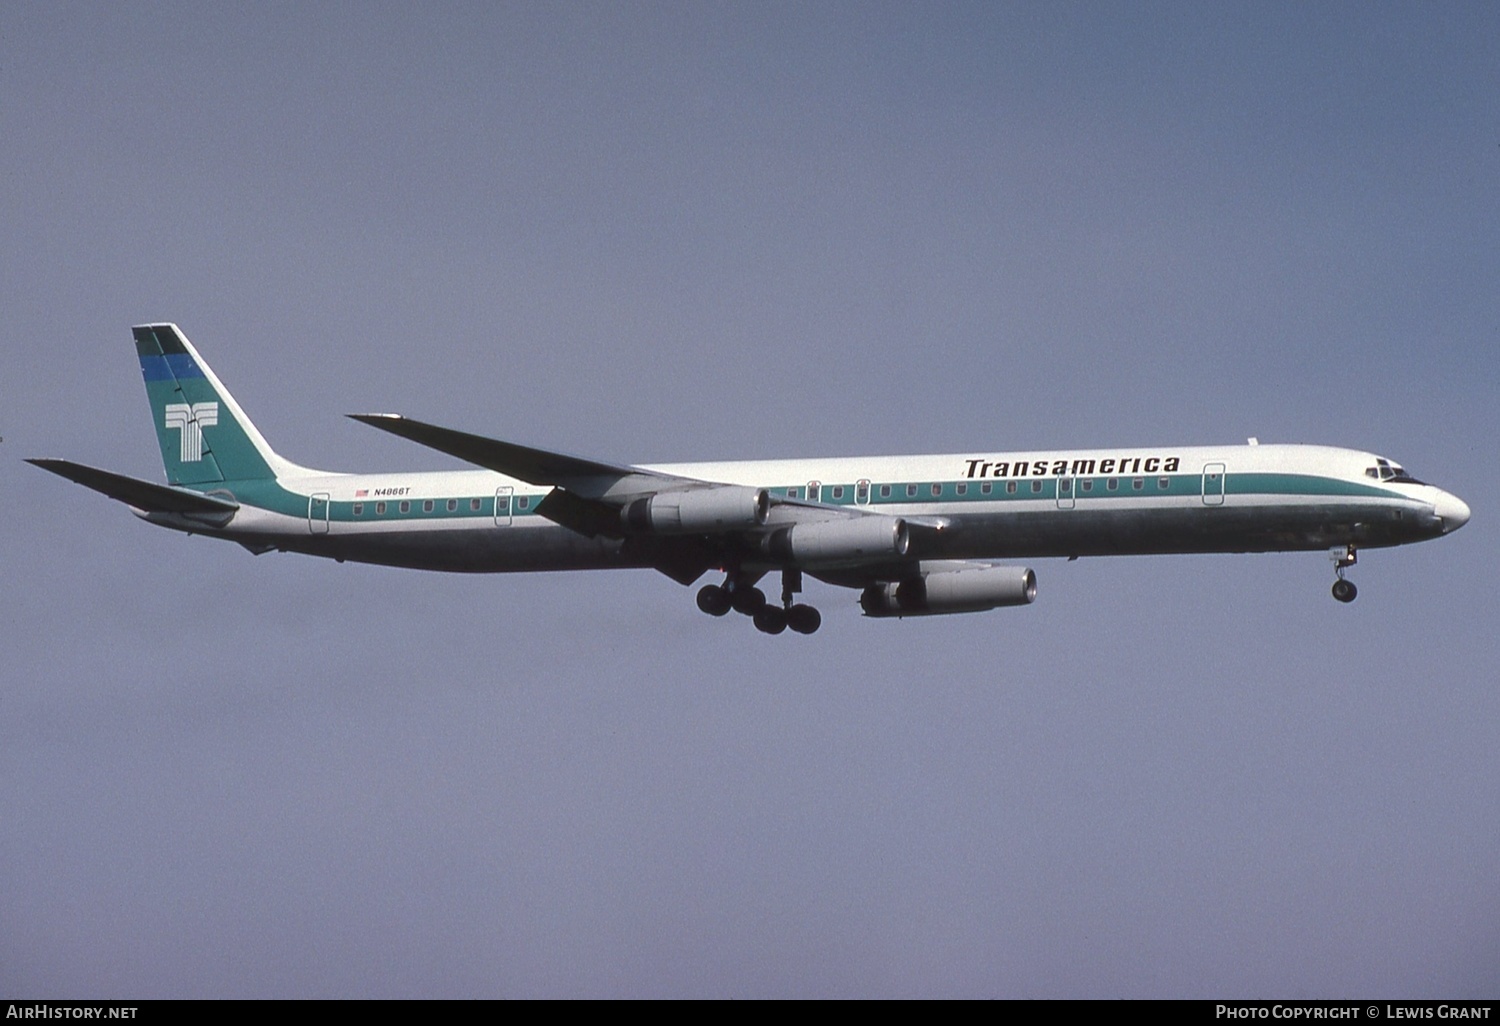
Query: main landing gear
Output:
(741,595)
(1343,557)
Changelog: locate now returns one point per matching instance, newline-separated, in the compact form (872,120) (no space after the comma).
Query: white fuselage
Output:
(990,506)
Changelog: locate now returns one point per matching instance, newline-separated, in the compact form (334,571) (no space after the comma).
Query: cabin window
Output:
(405,506)
(862,492)
(1138,483)
(1163,483)
(937,489)
(962,489)
(359,509)
(524,502)
(1088,486)
(452,505)
(986,488)
(1010,488)
(838,491)
(1036,486)
(885,491)
(427,506)
(1112,484)
(474,505)
(911,491)
(380,509)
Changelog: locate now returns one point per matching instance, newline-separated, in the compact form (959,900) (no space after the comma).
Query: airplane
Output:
(915,535)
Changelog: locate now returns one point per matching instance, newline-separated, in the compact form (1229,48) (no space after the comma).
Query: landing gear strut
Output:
(1343,557)
(739,593)
(801,618)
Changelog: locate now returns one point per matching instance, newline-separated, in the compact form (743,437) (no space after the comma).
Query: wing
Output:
(683,525)
(585,478)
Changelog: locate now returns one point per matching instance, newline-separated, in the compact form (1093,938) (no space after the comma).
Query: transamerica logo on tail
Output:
(191,420)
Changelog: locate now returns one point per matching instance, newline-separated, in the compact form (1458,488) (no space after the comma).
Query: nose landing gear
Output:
(1343,557)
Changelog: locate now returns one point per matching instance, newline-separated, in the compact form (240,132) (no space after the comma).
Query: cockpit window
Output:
(1385,470)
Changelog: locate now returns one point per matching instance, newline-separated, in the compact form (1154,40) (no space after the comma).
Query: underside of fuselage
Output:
(1106,532)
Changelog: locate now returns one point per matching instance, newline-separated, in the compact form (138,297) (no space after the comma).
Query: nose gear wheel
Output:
(1343,557)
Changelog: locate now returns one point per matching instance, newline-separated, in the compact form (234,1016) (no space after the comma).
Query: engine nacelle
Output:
(832,542)
(698,510)
(952,591)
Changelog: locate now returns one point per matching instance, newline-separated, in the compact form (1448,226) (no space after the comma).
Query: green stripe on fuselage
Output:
(273,496)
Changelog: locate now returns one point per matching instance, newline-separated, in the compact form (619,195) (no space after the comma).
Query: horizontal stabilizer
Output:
(585,477)
(142,495)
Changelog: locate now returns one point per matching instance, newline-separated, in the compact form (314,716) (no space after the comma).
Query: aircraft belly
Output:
(486,550)
(1100,529)
(1097,532)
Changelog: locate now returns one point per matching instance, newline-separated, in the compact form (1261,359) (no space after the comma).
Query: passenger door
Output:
(317,513)
(1213,484)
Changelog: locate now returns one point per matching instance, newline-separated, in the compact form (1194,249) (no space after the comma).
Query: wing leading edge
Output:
(586,478)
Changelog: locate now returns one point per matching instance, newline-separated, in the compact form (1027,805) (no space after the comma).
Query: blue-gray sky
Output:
(661,232)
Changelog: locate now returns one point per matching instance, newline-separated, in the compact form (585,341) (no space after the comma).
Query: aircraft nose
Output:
(1452,510)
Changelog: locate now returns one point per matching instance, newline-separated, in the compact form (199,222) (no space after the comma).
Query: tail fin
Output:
(205,437)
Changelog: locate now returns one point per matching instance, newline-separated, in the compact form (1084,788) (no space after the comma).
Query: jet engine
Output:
(698,510)
(952,591)
(831,542)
